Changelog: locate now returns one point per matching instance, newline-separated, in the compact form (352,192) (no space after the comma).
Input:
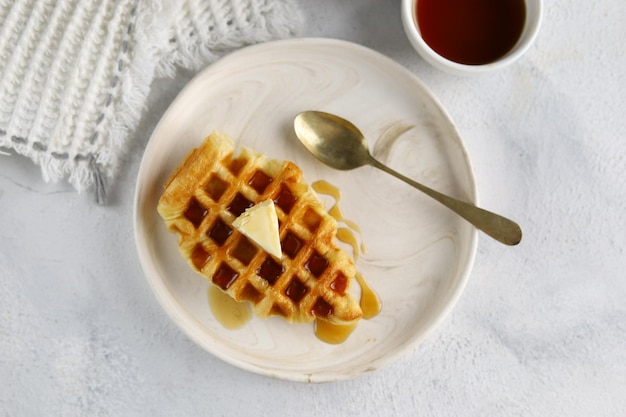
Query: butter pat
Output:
(259,223)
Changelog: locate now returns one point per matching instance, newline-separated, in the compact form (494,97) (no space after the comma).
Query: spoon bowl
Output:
(333,140)
(341,145)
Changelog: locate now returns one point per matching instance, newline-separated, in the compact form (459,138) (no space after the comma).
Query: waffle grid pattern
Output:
(312,278)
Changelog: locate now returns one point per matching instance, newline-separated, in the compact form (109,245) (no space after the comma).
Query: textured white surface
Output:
(540,329)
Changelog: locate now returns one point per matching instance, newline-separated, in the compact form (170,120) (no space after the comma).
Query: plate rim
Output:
(166,302)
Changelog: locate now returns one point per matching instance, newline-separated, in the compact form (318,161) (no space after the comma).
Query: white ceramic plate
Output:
(418,253)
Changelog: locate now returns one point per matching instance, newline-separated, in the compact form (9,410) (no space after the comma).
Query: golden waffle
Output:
(212,187)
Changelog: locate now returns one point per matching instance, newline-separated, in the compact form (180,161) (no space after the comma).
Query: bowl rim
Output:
(531,29)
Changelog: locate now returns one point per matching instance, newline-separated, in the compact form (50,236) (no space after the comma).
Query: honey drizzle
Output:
(324,187)
(228,312)
(346,236)
(335,212)
(370,302)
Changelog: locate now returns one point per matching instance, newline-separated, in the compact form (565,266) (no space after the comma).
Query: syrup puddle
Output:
(333,333)
(229,313)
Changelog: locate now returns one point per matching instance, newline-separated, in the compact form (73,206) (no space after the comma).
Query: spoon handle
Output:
(494,225)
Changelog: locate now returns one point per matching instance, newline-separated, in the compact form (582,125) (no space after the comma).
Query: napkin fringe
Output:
(100,98)
(135,85)
(206,30)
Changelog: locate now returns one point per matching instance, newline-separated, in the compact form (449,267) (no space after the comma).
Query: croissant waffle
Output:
(212,187)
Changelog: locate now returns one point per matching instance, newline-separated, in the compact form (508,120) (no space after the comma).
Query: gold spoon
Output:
(341,145)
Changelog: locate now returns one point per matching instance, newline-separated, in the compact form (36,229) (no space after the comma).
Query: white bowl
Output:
(534,11)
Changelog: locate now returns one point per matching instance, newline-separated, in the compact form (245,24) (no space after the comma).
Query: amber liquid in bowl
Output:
(471,32)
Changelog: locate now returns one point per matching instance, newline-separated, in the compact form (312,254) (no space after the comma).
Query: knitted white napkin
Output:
(75,74)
